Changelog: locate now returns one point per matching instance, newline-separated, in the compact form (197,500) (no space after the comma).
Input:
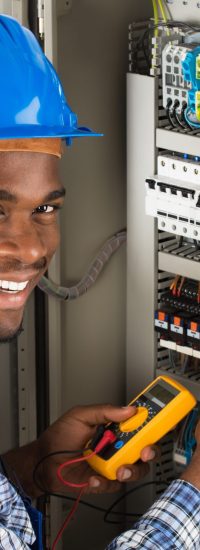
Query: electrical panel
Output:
(168,206)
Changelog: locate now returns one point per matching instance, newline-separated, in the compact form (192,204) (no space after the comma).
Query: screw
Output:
(162,163)
(174,227)
(195,233)
(196,171)
(185,168)
(174,166)
(184,230)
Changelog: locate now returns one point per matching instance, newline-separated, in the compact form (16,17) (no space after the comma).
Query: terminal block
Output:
(181,82)
(175,86)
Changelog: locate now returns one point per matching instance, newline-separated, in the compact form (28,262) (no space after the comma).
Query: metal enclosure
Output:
(90,337)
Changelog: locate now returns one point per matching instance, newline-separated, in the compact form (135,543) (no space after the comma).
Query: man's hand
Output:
(72,432)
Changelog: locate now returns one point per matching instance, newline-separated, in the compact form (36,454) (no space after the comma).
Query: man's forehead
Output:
(29,174)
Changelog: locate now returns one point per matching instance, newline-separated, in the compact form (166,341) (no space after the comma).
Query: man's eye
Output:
(45,209)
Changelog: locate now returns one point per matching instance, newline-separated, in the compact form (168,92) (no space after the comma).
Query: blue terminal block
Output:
(191,74)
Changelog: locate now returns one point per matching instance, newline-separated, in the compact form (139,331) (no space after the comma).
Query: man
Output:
(34,116)
(30,197)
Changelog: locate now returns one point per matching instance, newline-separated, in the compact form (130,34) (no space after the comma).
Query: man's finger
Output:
(132,472)
(98,484)
(150,453)
(100,414)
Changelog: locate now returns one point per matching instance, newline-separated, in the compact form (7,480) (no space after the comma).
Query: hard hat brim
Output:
(36,131)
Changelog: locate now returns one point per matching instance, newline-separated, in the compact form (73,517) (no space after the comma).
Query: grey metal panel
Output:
(174,141)
(184,10)
(26,376)
(179,266)
(141,245)
(8,397)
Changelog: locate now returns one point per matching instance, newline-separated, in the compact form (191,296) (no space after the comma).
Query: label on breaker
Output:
(162,324)
(193,334)
(175,328)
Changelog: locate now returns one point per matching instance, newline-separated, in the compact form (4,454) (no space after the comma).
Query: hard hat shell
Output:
(32,101)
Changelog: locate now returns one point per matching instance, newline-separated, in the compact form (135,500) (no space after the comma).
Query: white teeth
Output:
(12,285)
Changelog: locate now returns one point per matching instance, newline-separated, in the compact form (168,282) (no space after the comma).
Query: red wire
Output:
(67,463)
(108,437)
(67,520)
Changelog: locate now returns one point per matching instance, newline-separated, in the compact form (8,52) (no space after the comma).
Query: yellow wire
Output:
(161,6)
(162,11)
(155,16)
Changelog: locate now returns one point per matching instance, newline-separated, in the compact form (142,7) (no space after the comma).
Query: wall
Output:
(92,63)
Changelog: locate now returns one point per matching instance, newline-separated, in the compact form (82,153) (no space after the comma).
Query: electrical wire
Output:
(161,6)
(192,125)
(68,463)
(106,512)
(179,121)
(180,286)
(155,13)
(173,286)
(44,458)
(131,491)
(171,360)
(70,293)
(67,520)
(164,16)
(172,123)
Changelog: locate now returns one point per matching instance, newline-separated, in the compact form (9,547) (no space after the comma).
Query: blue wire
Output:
(194,124)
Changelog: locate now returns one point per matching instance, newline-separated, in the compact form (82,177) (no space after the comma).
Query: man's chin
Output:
(9,336)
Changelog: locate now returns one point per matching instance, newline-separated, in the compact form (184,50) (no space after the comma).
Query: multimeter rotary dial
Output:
(135,421)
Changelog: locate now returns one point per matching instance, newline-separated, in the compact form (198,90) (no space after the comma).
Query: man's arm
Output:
(19,465)
(173,522)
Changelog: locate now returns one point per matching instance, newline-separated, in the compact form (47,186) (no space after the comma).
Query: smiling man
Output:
(28,227)
(30,197)
(34,120)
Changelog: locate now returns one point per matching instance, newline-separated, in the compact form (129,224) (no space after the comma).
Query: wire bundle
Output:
(70,293)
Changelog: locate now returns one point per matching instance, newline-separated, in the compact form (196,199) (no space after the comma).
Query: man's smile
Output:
(12,286)
(13,294)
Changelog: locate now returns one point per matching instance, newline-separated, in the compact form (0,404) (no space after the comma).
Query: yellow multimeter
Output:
(159,408)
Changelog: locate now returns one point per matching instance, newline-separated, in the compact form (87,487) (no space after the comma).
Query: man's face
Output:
(30,196)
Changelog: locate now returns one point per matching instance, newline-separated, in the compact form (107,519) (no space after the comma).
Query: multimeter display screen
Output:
(161,394)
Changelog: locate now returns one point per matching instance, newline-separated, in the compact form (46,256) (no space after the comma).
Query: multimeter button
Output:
(135,421)
(119,444)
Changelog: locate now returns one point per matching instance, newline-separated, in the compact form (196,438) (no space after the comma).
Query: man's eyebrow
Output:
(6,196)
(57,194)
(53,195)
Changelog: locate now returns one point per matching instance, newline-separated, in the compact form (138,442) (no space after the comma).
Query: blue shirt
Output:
(173,522)
(16,530)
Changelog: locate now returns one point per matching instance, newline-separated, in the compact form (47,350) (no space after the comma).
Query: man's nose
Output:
(25,244)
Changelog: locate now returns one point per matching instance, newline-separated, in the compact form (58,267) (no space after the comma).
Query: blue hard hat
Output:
(32,101)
